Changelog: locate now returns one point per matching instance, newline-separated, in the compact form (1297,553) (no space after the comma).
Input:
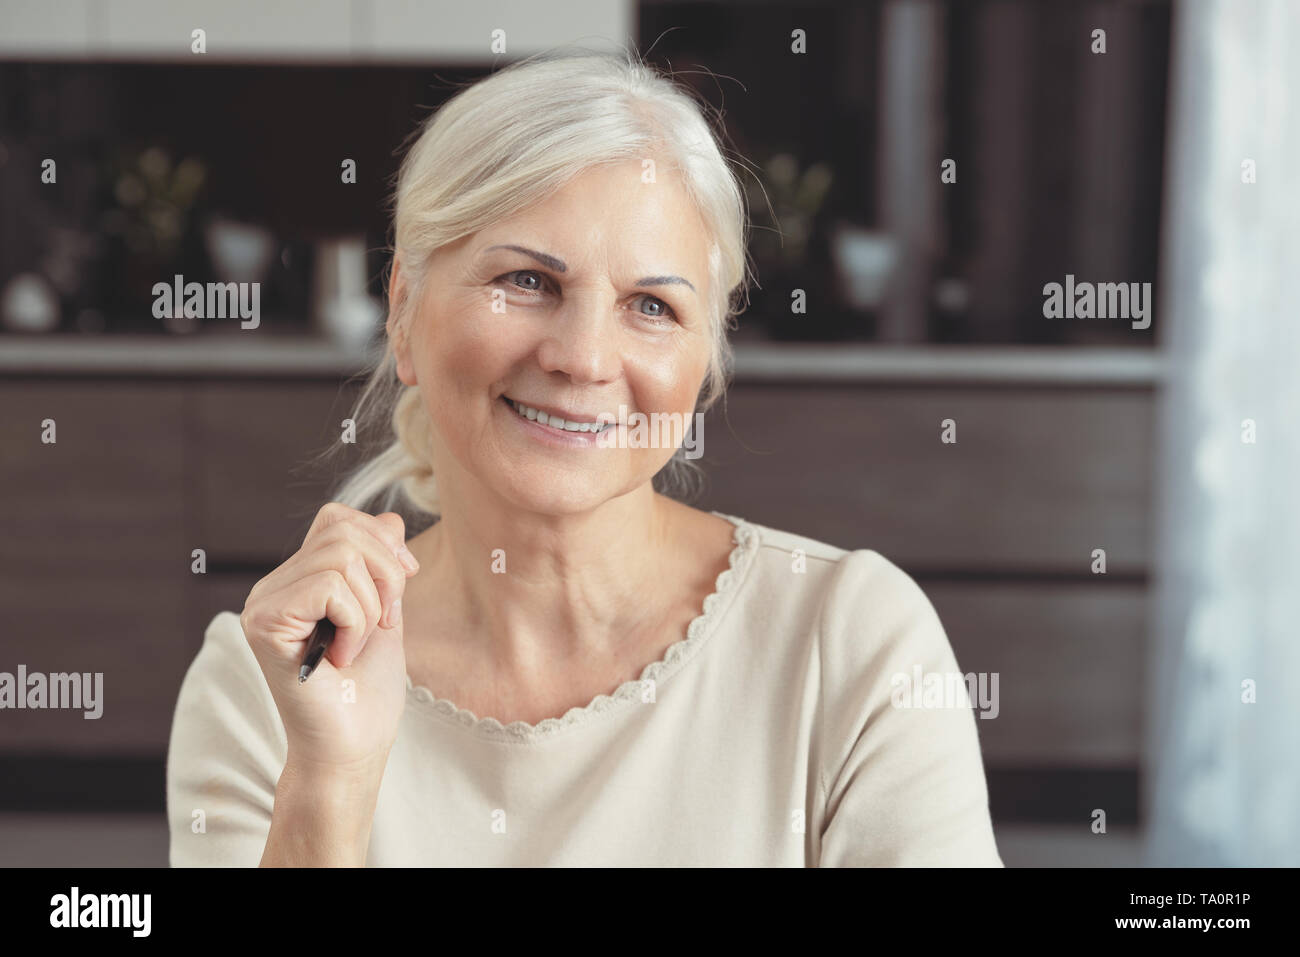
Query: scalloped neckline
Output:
(745,540)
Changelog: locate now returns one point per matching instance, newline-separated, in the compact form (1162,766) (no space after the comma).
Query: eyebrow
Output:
(552,262)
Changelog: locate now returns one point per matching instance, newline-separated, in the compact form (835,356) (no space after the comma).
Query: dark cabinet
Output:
(998,528)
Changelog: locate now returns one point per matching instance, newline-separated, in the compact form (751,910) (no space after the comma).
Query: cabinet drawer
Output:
(129,627)
(110,493)
(1036,480)
(1070,661)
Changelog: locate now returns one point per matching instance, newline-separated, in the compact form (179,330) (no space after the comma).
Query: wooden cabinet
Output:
(100,528)
(94,566)
(998,528)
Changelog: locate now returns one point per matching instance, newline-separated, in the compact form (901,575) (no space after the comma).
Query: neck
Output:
(541,589)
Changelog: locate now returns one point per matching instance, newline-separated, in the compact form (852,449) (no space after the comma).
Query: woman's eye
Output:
(530,280)
(662,311)
(534,280)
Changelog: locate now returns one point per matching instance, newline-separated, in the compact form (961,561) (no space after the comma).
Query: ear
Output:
(397,333)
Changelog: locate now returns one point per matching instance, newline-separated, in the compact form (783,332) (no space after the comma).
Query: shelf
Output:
(173,356)
(237,356)
(949,365)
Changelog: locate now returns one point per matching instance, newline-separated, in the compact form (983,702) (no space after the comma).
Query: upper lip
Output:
(556,412)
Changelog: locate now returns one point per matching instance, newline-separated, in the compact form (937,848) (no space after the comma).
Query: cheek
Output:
(468,346)
(669,381)
(460,357)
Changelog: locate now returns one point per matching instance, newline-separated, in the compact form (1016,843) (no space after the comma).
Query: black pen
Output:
(320,639)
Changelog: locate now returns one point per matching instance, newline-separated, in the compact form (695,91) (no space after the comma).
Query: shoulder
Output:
(866,616)
(875,612)
(840,570)
(224,685)
(857,597)
(775,543)
(224,640)
(225,652)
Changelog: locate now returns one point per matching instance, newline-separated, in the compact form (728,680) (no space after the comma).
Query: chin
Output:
(548,493)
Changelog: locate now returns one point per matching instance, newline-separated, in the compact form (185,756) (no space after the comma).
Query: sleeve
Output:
(903,784)
(225,754)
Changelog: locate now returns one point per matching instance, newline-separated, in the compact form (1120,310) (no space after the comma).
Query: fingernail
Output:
(395,614)
(406,558)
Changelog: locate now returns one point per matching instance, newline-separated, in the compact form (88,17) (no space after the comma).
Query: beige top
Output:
(765,737)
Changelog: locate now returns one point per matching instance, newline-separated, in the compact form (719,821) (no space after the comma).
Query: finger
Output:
(329,514)
(349,633)
(295,608)
(375,573)
(335,520)
(387,528)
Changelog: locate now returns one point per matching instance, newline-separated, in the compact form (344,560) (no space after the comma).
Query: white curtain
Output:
(1223,775)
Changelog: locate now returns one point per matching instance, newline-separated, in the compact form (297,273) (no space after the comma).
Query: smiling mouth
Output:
(553,422)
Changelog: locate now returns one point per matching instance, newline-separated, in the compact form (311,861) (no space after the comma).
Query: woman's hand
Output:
(352,569)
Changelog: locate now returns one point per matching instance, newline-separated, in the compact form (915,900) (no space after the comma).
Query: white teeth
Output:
(554,421)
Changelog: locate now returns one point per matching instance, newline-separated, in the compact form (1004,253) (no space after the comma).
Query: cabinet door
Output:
(258,483)
(95,562)
(1071,664)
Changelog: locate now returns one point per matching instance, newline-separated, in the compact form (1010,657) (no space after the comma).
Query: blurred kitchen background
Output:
(1121,691)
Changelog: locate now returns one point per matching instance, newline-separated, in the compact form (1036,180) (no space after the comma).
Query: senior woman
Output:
(567,667)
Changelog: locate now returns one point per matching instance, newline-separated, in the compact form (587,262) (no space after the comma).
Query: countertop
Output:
(288,356)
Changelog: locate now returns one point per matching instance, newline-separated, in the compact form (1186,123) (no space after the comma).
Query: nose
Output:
(581,341)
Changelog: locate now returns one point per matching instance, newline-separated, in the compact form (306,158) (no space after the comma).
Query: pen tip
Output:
(302,675)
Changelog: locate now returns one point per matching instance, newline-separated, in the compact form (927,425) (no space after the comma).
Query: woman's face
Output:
(570,306)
